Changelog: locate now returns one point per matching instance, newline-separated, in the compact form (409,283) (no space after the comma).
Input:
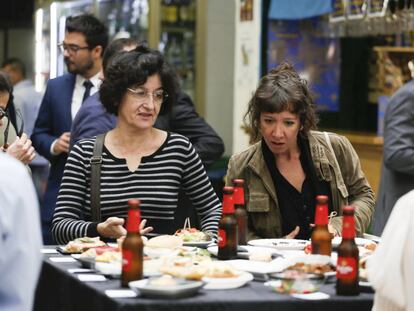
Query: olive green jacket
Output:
(348,185)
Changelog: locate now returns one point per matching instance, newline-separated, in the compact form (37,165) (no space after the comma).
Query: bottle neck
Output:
(321,214)
(134,219)
(348,227)
(238,196)
(228,204)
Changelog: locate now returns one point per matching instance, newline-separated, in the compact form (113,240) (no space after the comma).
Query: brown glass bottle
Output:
(321,238)
(227,233)
(240,211)
(348,257)
(132,247)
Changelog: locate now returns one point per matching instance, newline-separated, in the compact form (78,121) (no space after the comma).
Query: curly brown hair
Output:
(280,90)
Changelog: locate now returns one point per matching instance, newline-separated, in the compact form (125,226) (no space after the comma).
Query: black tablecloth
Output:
(60,290)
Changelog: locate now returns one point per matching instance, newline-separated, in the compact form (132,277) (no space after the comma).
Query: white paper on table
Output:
(311,296)
(62,259)
(48,251)
(120,293)
(91,278)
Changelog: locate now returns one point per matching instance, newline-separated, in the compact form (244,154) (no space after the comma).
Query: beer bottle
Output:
(348,257)
(240,211)
(321,238)
(227,233)
(132,247)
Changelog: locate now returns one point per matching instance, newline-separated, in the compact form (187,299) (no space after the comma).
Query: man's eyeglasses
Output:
(142,94)
(71,48)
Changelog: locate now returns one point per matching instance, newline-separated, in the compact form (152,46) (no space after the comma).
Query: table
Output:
(60,290)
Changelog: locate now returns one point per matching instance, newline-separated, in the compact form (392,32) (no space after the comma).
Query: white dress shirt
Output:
(391,267)
(79,90)
(20,237)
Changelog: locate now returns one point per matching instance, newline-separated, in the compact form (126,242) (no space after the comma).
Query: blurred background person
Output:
(83,46)
(27,101)
(397,171)
(390,269)
(12,139)
(138,160)
(292,163)
(20,236)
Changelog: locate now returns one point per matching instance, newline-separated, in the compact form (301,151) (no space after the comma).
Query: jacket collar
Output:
(258,165)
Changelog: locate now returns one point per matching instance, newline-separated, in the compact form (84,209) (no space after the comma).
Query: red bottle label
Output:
(238,196)
(126,260)
(222,239)
(134,218)
(346,268)
(348,227)
(321,214)
(228,204)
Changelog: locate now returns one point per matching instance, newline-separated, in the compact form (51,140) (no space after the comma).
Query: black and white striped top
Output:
(156,182)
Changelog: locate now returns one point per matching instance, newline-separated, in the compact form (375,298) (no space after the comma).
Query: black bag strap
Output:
(96,161)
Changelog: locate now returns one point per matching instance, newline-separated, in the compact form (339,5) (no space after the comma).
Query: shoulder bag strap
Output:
(96,162)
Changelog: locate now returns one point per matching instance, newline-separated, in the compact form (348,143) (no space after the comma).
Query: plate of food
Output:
(250,252)
(220,275)
(295,282)
(166,287)
(162,245)
(80,245)
(194,237)
(358,241)
(281,244)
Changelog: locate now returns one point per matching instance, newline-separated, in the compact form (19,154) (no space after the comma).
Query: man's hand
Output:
(293,234)
(22,149)
(62,144)
(112,228)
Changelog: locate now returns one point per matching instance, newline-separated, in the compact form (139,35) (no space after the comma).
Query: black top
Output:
(297,208)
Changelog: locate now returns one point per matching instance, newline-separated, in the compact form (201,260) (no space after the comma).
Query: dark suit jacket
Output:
(53,120)
(397,174)
(92,119)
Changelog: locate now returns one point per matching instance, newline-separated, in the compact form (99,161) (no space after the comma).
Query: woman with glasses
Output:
(12,139)
(138,160)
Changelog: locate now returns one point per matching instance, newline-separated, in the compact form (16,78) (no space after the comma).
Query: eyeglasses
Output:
(71,48)
(142,94)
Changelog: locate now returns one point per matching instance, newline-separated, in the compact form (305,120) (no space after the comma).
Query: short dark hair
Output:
(117,46)
(282,89)
(129,69)
(92,28)
(16,64)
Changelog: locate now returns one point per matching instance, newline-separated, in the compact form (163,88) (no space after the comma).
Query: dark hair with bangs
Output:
(281,90)
(133,68)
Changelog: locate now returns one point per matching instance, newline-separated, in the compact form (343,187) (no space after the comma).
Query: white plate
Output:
(112,269)
(213,250)
(255,267)
(201,244)
(227,283)
(283,244)
(186,288)
(358,241)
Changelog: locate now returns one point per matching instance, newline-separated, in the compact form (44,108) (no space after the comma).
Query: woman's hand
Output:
(142,228)
(293,234)
(333,232)
(22,149)
(112,228)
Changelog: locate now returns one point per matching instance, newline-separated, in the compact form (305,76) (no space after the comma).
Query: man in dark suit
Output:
(397,173)
(85,41)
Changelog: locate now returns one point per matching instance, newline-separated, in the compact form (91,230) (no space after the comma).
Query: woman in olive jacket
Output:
(291,164)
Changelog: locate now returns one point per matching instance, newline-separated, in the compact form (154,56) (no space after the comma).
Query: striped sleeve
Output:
(68,219)
(200,191)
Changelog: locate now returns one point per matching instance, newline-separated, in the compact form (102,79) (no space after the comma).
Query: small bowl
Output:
(296,282)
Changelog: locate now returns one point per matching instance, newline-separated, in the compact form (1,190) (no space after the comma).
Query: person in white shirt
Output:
(20,236)
(391,267)
(27,101)
(84,43)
